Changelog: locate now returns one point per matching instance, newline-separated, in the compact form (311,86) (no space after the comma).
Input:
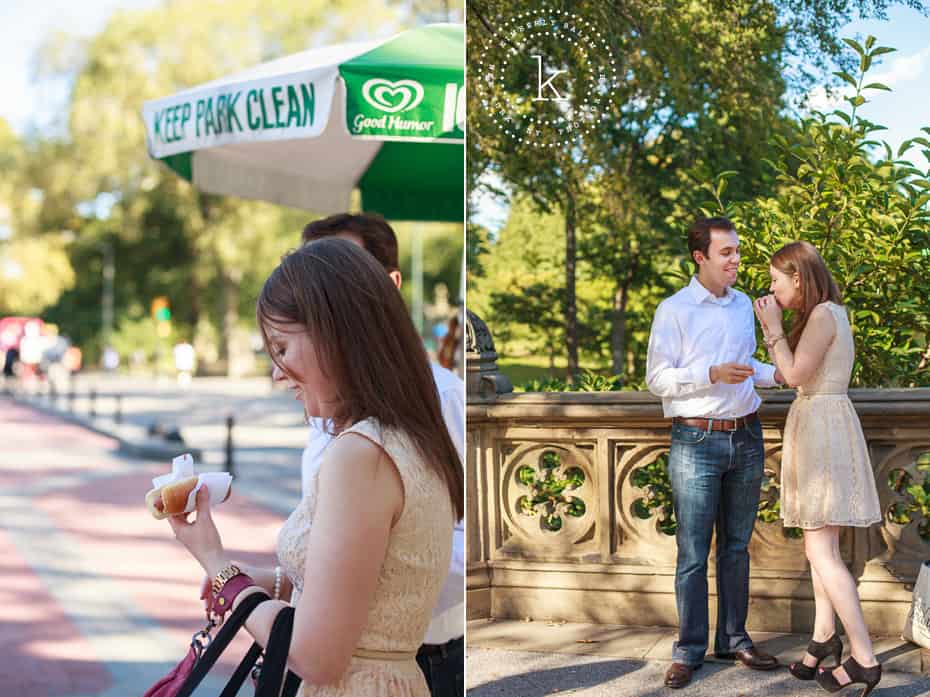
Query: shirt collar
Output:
(700,293)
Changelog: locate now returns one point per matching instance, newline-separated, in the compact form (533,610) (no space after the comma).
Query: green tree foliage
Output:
(521,293)
(866,209)
(204,248)
(700,88)
(33,274)
(98,186)
(703,90)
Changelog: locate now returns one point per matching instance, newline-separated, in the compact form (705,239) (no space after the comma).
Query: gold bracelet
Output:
(223,576)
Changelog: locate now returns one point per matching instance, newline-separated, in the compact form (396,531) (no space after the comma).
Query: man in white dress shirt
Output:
(700,363)
(442,655)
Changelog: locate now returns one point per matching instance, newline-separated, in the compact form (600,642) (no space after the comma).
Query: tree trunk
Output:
(618,330)
(618,313)
(230,307)
(194,300)
(571,313)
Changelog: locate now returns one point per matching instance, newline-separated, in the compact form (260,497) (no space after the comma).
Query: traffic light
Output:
(161,313)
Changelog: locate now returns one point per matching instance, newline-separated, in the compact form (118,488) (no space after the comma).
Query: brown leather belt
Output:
(719,424)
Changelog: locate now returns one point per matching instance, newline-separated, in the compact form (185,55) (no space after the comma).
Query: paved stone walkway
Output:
(98,599)
(268,435)
(512,658)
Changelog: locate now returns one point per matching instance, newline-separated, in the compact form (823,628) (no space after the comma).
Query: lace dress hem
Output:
(815,525)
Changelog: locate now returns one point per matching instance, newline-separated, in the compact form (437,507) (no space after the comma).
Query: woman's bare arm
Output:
(799,366)
(360,497)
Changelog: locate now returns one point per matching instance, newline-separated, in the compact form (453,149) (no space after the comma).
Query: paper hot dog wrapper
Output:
(182,467)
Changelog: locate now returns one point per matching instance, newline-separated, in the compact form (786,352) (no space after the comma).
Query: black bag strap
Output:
(275,663)
(242,671)
(223,637)
(291,684)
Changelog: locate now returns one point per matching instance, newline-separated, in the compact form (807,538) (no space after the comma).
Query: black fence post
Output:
(118,414)
(230,422)
(93,402)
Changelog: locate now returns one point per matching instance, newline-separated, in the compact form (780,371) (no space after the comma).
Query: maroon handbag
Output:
(204,651)
(171,684)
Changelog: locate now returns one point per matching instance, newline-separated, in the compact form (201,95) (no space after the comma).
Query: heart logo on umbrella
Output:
(392,96)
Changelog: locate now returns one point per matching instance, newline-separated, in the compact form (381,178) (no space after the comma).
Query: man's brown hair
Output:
(377,236)
(699,234)
(348,306)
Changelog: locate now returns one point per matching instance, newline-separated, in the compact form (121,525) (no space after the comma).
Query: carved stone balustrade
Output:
(566,517)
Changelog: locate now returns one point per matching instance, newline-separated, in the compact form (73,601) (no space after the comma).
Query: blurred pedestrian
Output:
(448,353)
(184,359)
(9,362)
(72,359)
(110,359)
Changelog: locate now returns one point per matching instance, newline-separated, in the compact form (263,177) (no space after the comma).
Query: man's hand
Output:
(779,378)
(731,373)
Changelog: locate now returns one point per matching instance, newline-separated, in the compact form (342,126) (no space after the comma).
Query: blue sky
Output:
(907,108)
(23,27)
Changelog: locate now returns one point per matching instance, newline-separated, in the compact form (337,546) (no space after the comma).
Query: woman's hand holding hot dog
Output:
(200,536)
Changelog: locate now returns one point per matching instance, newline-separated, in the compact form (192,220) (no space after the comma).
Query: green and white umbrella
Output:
(386,117)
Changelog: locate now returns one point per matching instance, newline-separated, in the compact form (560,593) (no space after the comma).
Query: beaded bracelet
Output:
(277,583)
(774,340)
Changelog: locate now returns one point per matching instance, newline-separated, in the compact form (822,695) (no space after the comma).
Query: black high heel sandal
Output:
(819,650)
(857,674)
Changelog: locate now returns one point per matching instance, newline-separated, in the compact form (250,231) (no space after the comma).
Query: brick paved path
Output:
(97,599)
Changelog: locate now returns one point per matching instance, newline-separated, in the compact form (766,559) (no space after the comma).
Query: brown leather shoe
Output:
(752,658)
(679,674)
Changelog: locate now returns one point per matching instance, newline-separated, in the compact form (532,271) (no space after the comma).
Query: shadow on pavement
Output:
(556,680)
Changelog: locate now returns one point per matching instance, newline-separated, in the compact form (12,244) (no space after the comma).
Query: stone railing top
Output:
(910,405)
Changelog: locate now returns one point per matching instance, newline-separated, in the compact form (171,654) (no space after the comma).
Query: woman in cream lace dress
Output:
(826,481)
(367,551)
(384,663)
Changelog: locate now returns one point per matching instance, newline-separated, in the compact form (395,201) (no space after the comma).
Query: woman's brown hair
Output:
(816,282)
(367,344)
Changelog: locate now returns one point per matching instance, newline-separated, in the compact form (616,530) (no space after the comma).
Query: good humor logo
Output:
(399,96)
(382,94)
(525,83)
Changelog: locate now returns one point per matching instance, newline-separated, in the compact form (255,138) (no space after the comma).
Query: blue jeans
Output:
(715,479)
